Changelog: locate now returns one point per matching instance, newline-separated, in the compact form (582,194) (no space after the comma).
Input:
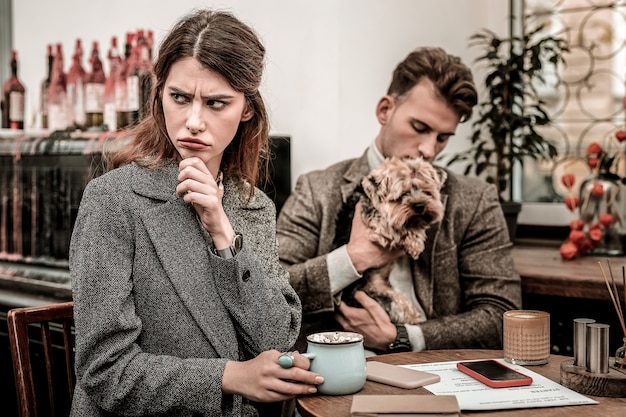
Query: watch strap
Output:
(402,343)
(233,249)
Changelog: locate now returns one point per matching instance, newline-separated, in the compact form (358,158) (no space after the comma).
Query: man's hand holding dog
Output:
(363,253)
(371,321)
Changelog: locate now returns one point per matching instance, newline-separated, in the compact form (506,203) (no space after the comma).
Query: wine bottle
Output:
(132,84)
(13,99)
(94,90)
(139,79)
(43,93)
(110,113)
(150,43)
(76,87)
(121,87)
(58,105)
(145,72)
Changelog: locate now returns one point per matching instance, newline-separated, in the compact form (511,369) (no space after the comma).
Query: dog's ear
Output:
(376,186)
(442,176)
(436,175)
(371,179)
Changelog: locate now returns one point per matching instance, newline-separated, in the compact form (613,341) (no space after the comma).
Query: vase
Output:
(603,210)
(620,356)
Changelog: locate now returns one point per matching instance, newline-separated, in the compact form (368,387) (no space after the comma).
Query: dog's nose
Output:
(419,208)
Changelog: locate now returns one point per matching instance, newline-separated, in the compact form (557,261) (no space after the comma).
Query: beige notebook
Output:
(404,406)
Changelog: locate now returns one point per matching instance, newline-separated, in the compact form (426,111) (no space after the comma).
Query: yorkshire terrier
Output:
(399,201)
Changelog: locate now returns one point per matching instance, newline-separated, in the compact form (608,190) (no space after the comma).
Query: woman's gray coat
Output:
(157,314)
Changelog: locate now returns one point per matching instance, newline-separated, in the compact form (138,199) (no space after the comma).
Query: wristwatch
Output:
(402,342)
(233,249)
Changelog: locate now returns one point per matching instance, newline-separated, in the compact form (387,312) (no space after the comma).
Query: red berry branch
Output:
(588,229)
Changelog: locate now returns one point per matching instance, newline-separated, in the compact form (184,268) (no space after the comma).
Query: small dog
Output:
(399,201)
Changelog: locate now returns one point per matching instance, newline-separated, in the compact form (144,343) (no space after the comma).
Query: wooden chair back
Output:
(43,360)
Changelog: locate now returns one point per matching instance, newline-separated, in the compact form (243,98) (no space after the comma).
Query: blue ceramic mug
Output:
(340,358)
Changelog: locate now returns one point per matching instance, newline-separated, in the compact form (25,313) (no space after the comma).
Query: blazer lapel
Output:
(173,224)
(353,176)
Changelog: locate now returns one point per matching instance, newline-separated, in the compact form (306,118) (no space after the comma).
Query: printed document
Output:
(474,395)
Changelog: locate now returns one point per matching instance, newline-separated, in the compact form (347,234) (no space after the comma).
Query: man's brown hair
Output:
(452,79)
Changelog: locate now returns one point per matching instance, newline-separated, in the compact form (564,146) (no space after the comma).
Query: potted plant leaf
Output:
(504,129)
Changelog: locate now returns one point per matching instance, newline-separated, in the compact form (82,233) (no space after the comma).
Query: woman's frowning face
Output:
(202,111)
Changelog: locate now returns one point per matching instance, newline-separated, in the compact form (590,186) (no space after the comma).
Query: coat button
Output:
(246,275)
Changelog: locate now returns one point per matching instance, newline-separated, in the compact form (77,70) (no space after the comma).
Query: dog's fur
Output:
(399,201)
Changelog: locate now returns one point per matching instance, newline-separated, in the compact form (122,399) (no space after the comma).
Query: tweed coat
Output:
(157,314)
(465,279)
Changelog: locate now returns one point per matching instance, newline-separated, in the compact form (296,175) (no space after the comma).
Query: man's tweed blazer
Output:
(465,278)
(157,313)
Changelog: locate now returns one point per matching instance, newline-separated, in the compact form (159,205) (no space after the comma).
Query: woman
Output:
(181,307)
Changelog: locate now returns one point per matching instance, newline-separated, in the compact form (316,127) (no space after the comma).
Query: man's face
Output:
(419,124)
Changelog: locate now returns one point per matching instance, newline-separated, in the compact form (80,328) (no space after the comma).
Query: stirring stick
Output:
(617,309)
(624,285)
(617,300)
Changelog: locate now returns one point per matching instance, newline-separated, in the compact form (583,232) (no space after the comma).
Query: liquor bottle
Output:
(43,93)
(145,71)
(76,87)
(13,99)
(133,92)
(115,61)
(139,79)
(121,86)
(94,90)
(58,105)
(150,43)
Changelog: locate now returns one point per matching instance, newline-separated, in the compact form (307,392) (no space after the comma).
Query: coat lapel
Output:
(353,176)
(173,224)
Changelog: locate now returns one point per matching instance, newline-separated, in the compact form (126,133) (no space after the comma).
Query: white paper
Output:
(474,395)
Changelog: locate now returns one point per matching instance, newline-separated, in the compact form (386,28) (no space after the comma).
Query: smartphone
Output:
(494,374)
(399,376)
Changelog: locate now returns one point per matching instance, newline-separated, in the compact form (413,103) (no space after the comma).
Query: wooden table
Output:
(543,272)
(339,406)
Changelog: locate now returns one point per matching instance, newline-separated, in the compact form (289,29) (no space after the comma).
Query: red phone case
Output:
(506,377)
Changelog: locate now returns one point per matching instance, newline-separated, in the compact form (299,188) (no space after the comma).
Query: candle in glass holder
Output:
(526,338)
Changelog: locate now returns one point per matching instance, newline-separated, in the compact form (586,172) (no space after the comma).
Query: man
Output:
(464,279)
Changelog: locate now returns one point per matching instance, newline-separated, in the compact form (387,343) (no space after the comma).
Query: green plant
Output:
(504,131)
